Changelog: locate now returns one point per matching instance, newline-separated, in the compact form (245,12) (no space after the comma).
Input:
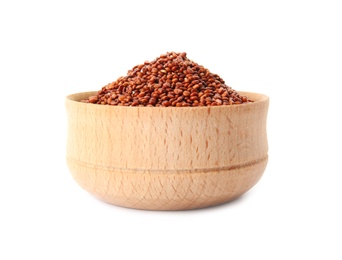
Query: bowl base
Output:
(166,191)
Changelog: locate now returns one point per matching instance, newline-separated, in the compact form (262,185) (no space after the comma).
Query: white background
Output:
(289,50)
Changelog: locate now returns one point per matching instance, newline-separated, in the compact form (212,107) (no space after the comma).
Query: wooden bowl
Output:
(167,158)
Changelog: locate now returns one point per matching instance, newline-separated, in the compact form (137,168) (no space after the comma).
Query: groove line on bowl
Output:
(199,170)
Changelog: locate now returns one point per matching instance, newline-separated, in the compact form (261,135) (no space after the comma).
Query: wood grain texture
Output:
(167,158)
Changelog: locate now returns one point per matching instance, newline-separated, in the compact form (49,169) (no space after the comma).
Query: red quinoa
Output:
(170,80)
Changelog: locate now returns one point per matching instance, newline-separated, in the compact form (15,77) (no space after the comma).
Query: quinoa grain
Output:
(170,80)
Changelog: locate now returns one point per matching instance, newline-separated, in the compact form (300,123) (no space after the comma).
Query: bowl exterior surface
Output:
(167,158)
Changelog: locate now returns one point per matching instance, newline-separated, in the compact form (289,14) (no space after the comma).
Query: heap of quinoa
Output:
(170,80)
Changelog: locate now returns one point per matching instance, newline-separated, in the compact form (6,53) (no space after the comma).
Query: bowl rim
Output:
(262,98)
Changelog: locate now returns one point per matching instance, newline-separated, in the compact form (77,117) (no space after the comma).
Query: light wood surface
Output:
(167,158)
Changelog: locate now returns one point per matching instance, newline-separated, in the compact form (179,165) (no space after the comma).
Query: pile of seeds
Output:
(170,80)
